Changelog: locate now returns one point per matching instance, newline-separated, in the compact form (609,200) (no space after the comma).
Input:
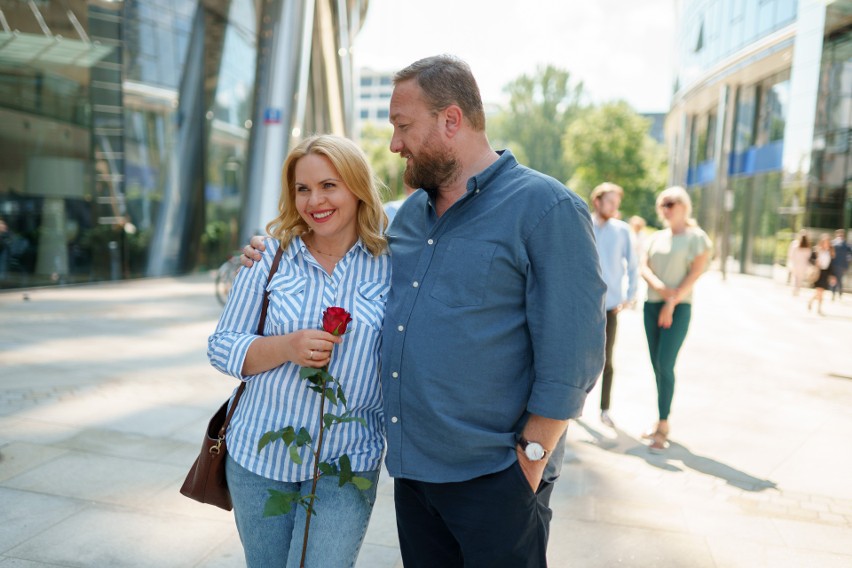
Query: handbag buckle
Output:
(216,449)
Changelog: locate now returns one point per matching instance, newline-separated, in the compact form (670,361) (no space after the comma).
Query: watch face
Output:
(534,451)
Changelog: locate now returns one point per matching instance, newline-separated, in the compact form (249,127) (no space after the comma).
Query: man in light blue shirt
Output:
(618,260)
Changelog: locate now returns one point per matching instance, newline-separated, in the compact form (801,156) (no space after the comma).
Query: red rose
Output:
(335,320)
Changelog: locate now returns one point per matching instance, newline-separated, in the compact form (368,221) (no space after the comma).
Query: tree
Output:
(540,108)
(375,141)
(611,143)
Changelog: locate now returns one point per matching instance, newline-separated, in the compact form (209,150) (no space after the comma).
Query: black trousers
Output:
(491,521)
(606,378)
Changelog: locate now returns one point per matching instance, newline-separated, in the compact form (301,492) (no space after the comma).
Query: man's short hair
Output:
(603,189)
(447,80)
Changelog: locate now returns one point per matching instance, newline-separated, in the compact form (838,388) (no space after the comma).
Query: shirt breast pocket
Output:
(370,301)
(462,276)
(286,301)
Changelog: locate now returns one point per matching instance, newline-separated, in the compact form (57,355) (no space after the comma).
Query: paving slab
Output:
(105,391)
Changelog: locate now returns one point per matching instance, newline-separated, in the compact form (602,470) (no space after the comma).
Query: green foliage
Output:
(611,143)
(388,167)
(541,107)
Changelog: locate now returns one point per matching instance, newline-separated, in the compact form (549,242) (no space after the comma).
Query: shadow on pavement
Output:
(628,445)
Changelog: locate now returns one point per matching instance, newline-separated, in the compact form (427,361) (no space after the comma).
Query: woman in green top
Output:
(676,257)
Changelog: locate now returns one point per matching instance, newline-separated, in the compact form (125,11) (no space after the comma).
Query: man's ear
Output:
(453,118)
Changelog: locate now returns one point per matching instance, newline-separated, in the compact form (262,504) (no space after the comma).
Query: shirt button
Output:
(415,284)
(400,327)
(394,419)
(395,375)
(431,242)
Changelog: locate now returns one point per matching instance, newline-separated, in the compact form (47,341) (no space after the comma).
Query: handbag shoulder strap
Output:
(260,325)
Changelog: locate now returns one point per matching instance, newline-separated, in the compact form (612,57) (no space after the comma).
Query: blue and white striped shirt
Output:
(299,294)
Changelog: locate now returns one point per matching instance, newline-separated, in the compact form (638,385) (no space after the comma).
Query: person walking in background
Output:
(676,257)
(640,243)
(618,260)
(823,257)
(798,260)
(842,258)
(330,227)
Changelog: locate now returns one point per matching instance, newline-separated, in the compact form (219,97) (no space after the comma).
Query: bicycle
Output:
(225,277)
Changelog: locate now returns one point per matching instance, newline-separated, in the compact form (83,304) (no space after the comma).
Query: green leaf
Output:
(361,483)
(303,437)
(316,389)
(326,468)
(316,380)
(294,455)
(329,393)
(345,418)
(308,372)
(279,503)
(288,435)
(341,396)
(285,434)
(328,419)
(265,439)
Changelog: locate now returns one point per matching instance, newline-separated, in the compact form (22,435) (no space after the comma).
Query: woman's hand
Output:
(666,314)
(310,347)
(306,348)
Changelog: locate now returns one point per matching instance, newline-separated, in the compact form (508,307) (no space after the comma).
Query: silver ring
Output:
(311,356)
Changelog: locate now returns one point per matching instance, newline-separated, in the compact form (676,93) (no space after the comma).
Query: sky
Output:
(619,49)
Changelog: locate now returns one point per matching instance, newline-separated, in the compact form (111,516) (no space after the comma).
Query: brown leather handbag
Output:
(206,481)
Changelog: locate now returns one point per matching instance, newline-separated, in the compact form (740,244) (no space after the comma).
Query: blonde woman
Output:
(675,258)
(330,225)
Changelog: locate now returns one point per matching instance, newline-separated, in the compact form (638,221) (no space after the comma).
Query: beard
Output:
(433,167)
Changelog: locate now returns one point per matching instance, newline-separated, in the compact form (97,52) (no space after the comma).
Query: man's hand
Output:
(533,470)
(253,251)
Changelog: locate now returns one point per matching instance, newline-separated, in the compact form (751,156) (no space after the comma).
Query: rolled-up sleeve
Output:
(565,310)
(237,328)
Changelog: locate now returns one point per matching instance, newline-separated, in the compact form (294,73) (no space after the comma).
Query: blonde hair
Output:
(678,194)
(603,189)
(354,170)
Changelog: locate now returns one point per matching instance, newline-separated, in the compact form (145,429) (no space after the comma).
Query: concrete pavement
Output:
(105,392)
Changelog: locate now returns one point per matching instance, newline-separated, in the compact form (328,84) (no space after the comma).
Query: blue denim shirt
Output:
(495,312)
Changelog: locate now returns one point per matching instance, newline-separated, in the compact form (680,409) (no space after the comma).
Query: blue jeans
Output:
(337,529)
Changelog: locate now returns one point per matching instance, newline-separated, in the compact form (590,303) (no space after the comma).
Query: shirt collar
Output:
(297,245)
(505,162)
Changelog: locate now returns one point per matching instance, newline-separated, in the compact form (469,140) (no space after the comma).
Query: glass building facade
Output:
(759,128)
(146,137)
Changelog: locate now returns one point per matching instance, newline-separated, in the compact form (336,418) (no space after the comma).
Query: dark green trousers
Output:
(664,345)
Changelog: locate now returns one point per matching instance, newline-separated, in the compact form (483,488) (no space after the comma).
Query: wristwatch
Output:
(533,450)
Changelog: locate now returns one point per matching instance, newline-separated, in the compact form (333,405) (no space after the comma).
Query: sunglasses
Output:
(668,204)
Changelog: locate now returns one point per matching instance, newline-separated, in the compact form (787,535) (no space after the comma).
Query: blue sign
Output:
(272,116)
